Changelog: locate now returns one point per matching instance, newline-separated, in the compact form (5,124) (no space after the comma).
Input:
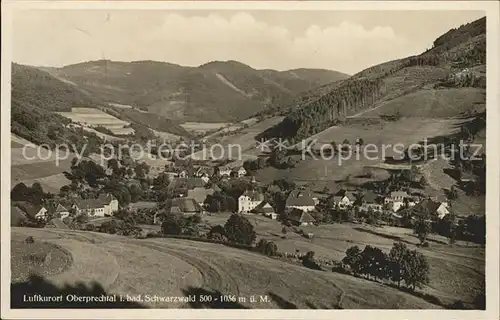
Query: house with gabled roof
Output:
(396,200)
(299,217)
(373,201)
(266,209)
(104,205)
(300,199)
(32,211)
(249,200)
(61,212)
(344,198)
(199,194)
(430,209)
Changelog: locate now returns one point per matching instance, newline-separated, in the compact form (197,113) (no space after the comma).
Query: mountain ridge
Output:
(211,92)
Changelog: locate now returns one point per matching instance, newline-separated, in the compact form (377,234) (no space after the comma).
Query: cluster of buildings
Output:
(394,202)
(104,205)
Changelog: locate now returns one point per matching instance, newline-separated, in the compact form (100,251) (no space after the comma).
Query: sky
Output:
(346,41)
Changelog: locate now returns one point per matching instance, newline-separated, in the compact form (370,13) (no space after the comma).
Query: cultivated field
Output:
(94,117)
(200,127)
(37,165)
(173,267)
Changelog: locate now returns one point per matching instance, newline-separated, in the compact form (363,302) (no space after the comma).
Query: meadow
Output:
(174,267)
(456,272)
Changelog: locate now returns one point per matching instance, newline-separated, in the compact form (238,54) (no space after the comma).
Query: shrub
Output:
(171,225)
(90,227)
(29,240)
(268,248)
(218,237)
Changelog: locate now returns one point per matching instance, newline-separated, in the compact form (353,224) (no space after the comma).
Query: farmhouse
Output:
(105,205)
(373,201)
(300,199)
(396,200)
(344,199)
(249,200)
(186,206)
(199,194)
(61,212)
(432,208)
(266,209)
(241,172)
(36,212)
(180,206)
(299,217)
(225,171)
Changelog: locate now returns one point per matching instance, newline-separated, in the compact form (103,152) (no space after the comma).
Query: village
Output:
(197,191)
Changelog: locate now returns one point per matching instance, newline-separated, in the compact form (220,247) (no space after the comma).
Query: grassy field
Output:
(432,103)
(245,139)
(385,136)
(456,272)
(95,117)
(42,168)
(174,267)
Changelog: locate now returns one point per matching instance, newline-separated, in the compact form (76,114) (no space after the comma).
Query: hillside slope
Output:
(37,94)
(416,82)
(213,92)
(172,267)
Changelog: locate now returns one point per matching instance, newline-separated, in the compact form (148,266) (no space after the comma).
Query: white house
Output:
(249,201)
(61,212)
(105,205)
(396,200)
(225,171)
(344,199)
(36,212)
(433,208)
(241,172)
(300,199)
(205,178)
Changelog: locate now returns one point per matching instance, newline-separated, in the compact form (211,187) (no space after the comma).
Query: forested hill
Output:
(218,91)
(438,70)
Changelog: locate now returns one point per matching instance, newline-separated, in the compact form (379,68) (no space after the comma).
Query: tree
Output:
(395,262)
(422,228)
(422,182)
(216,232)
(161,181)
(238,229)
(171,224)
(415,269)
(353,259)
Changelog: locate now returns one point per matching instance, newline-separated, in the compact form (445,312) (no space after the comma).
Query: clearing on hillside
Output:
(93,117)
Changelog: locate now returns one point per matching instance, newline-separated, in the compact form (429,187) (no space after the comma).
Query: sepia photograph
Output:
(320,155)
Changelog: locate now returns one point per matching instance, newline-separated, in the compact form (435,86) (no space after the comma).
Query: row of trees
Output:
(401,265)
(237,229)
(303,122)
